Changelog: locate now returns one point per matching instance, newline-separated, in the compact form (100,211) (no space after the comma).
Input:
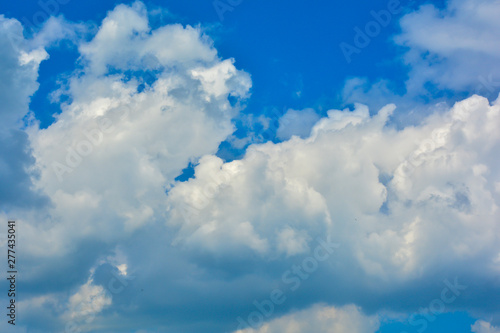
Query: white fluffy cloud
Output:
(402,202)
(410,207)
(454,48)
(450,53)
(321,319)
(406,205)
(419,204)
(112,131)
(142,105)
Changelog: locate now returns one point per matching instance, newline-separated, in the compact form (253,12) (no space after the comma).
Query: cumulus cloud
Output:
(142,105)
(145,131)
(408,205)
(321,319)
(403,203)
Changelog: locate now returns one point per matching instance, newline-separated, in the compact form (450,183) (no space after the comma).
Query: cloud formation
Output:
(418,204)
(395,183)
(19,63)
(455,47)
(449,54)
(321,319)
(141,110)
(142,104)
(410,206)
(482,326)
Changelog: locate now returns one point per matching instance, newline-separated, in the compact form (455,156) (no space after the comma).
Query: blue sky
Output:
(188,166)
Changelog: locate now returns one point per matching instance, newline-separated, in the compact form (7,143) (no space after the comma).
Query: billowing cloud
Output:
(410,207)
(285,178)
(142,111)
(405,204)
(142,104)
